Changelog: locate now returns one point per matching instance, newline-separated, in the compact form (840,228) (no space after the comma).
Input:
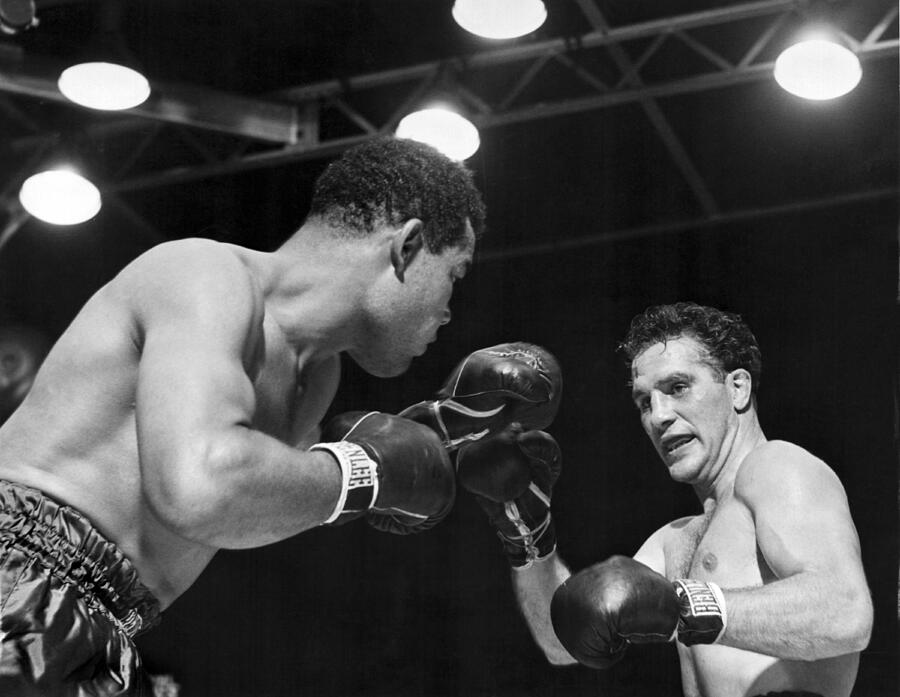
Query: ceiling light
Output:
(106,86)
(499,19)
(817,69)
(16,16)
(452,134)
(60,197)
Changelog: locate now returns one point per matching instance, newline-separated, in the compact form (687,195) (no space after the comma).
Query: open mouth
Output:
(671,446)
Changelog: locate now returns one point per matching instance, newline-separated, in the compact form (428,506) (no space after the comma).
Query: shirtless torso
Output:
(721,546)
(793,610)
(87,455)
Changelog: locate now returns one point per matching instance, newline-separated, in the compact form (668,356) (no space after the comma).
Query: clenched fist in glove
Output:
(512,476)
(395,471)
(597,612)
(490,389)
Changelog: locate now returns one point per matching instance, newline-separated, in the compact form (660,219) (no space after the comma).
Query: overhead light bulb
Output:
(452,134)
(106,86)
(60,197)
(817,69)
(499,19)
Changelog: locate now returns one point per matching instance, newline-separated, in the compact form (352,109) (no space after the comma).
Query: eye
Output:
(642,404)
(679,388)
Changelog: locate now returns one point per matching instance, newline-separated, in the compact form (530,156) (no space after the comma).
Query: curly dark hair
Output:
(728,341)
(390,180)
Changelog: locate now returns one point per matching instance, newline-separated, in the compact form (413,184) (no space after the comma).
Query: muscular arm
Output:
(534,587)
(819,606)
(207,474)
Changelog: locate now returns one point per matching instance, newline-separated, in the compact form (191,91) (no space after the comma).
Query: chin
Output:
(682,471)
(382,369)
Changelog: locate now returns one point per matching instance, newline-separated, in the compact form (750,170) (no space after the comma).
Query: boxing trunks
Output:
(70,604)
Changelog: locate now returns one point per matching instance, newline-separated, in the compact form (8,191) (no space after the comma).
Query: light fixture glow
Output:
(499,19)
(452,134)
(817,69)
(60,197)
(106,86)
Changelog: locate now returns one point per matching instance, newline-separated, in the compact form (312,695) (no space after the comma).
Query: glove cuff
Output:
(455,423)
(702,608)
(530,544)
(359,480)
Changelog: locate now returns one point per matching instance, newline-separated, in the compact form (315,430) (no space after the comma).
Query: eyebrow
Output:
(663,382)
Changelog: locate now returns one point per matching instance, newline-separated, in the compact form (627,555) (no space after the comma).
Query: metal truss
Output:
(219,134)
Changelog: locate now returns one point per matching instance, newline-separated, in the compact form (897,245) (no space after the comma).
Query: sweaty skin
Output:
(776,535)
(721,546)
(176,410)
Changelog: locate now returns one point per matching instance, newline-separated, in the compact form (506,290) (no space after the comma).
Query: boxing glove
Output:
(599,611)
(512,476)
(395,472)
(490,389)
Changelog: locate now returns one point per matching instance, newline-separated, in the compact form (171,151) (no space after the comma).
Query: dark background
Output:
(589,222)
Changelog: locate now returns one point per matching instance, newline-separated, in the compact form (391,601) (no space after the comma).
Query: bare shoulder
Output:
(781,470)
(188,270)
(187,260)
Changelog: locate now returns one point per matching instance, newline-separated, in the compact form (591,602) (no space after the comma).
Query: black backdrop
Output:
(343,611)
(349,611)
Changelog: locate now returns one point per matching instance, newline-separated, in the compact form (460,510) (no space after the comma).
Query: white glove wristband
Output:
(359,477)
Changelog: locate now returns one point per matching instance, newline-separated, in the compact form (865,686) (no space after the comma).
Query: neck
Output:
(746,437)
(314,287)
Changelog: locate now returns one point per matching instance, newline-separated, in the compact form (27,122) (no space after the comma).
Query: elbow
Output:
(555,653)
(185,497)
(559,661)
(558,656)
(859,630)
(851,628)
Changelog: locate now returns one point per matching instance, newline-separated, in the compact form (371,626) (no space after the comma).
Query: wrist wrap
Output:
(703,615)
(359,478)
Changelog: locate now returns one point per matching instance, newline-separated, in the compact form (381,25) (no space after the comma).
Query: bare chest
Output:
(718,546)
(292,393)
(278,389)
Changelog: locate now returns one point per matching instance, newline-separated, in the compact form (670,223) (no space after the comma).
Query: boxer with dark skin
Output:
(176,415)
(763,592)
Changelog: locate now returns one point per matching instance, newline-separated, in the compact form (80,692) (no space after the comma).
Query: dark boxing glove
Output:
(490,389)
(395,472)
(597,612)
(512,476)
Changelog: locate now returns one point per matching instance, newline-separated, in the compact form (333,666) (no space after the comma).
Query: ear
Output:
(741,388)
(406,243)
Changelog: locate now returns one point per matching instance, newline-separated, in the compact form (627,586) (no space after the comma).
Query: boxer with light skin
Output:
(763,593)
(179,413)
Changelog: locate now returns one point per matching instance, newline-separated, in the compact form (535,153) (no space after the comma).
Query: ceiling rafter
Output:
(651,109)
(289,126)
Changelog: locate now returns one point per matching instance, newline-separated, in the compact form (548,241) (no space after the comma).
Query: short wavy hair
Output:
(726,338)
(389,180)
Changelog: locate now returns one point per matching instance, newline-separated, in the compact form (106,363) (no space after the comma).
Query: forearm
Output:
(534,587)
(804,617)
(246,489)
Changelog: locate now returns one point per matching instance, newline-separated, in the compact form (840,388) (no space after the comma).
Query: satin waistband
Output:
(65,542)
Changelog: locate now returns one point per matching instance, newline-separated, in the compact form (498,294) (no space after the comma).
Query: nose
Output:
(445,319)
(661,414)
